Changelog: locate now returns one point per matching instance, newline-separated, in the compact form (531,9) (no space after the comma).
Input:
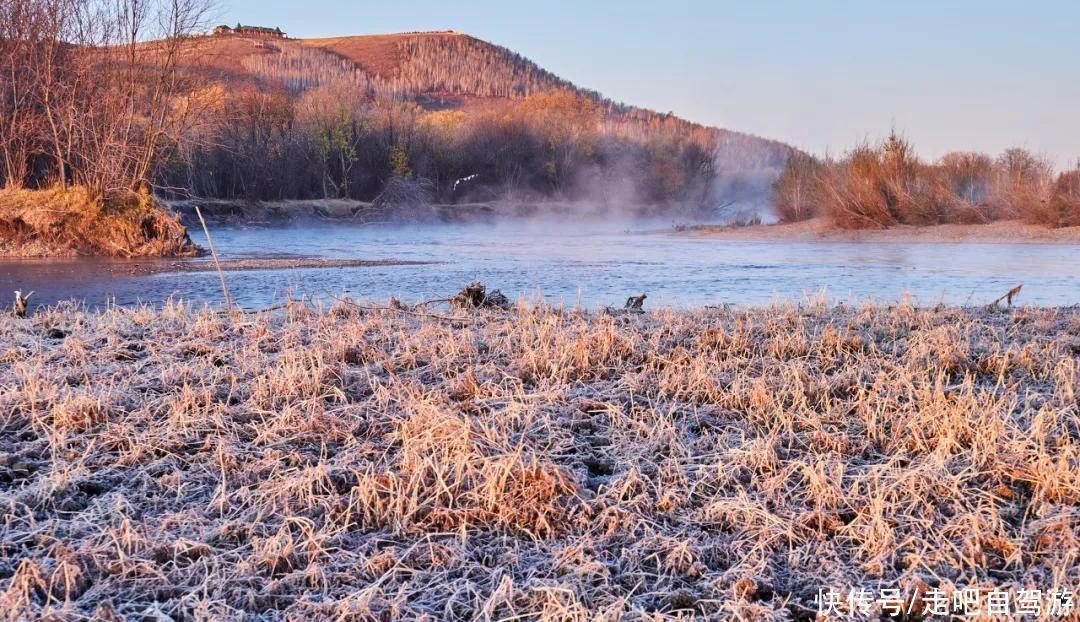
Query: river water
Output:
(587,264)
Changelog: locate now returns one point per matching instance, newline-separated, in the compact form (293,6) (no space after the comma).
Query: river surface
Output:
(587,264)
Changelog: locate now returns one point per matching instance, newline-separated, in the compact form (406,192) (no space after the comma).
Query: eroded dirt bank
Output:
(70,222)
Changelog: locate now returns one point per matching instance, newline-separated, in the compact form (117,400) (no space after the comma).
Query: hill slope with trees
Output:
(442,117)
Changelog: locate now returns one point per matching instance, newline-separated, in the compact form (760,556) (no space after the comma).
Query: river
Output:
(587,264)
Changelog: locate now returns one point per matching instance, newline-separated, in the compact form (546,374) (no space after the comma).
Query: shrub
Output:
(1063,208)
(797,193)
(875,187)
(853,191)
(1021,186)
(968,177)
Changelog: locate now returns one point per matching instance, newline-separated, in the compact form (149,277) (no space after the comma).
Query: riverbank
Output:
(71,222)
(819,229)
(725,462)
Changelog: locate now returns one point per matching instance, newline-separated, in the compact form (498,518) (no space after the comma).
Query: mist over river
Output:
(587,264)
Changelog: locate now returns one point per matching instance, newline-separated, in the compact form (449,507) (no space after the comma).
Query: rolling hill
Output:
(450,79)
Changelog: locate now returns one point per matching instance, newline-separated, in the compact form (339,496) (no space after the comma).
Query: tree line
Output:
(109,95)
(333,142)
(314,124)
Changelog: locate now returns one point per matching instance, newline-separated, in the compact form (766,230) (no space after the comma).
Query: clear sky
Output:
(950,75)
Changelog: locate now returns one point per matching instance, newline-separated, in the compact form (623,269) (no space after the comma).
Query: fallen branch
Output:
(1008,297)
(476,296)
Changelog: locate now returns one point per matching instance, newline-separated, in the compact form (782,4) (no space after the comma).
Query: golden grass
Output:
(73,221)
(531,464)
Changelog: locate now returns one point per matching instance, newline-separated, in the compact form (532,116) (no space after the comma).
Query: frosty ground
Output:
(532,463)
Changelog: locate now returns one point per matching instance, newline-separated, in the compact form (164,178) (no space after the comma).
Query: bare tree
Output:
(94,86)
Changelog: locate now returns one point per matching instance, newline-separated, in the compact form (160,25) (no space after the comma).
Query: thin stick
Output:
(213,253)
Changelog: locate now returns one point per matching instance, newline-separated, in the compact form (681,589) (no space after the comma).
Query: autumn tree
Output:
(335,125)
(569,125)
(796,193)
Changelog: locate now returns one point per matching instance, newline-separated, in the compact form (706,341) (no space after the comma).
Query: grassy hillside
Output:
(439,69)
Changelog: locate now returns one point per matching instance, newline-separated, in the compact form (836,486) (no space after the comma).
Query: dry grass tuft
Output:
(532,464)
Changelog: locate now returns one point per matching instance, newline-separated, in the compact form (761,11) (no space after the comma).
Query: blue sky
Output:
(959,75)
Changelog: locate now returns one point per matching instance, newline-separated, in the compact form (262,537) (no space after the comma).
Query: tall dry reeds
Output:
(876,186)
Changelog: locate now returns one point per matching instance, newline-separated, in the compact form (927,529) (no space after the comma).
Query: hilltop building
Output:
(249,31)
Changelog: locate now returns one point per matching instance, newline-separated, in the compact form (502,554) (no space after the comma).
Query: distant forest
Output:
(314,124)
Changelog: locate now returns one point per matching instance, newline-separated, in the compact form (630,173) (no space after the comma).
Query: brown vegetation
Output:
(880,186)
(531,463)
(74,221)
(472,121)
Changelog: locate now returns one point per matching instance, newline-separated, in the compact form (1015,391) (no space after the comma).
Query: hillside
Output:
(400,94)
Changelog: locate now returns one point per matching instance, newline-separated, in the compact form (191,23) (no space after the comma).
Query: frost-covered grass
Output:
(536,463)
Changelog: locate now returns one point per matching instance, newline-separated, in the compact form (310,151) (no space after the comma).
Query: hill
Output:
(461,118)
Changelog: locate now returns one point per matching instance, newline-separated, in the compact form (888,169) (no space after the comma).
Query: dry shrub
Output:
(969,177)
(1063,208)
(878,187)
(1021,186)
(797,192)
(874,187)
(855,192)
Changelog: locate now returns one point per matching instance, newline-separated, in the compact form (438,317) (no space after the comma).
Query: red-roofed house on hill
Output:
(249,31)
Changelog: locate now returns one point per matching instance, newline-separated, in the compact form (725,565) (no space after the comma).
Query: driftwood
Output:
(1008,297)
(21,302)
(634,304)
(476,296)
